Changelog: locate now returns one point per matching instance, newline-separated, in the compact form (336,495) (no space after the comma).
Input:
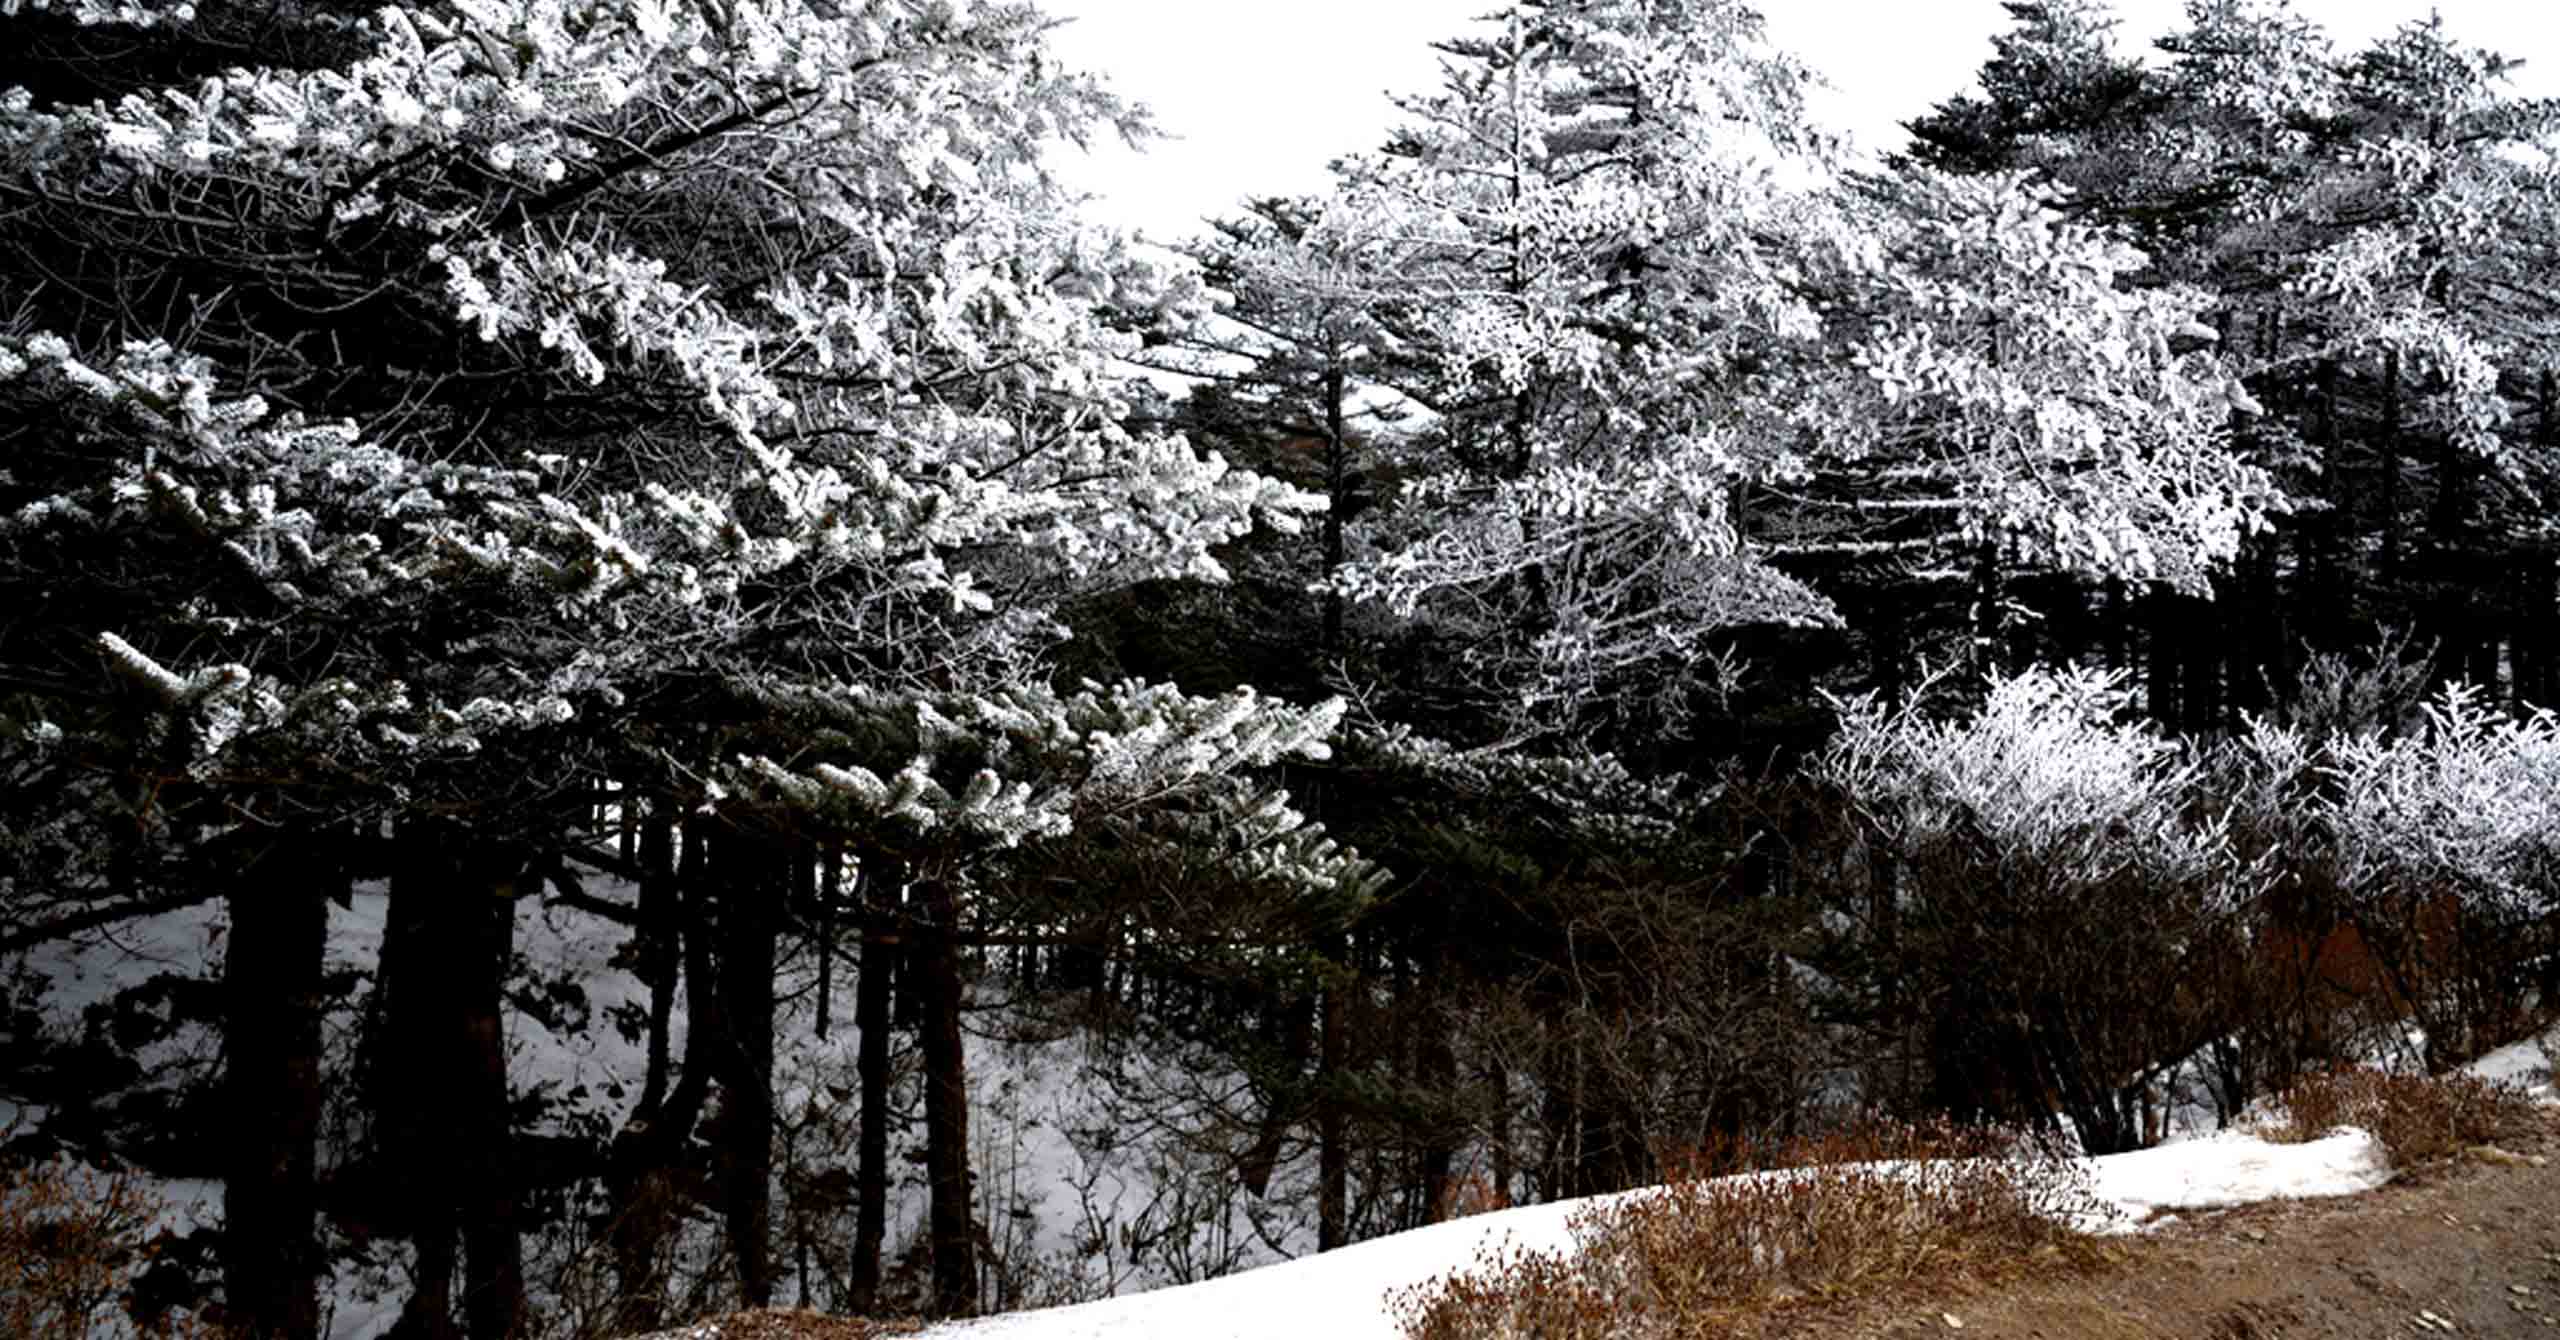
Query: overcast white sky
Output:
(1263,93)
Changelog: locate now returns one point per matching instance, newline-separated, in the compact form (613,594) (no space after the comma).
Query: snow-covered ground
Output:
(1343,1295)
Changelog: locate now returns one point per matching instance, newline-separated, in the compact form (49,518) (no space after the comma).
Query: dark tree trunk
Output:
(1990,651)
(442,1122)
(2390,453)
(750,874)
(1291,1033)
(1436,1074)
(1333,1153)
(484,911)
(1337,451)
(949,1217)
(270,1246)
(661,944)
(408,1094)
(882,885)
(2207,647)
(830,893)
(2331,579)
(641,1199)
(2160,681)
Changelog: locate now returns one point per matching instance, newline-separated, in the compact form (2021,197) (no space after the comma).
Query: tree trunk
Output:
(270,1246)
(412,1140)
(830,892)
(2208,648)
(2332,590)
(1291,1032)
(2160,683)
(442,1122)
(882,883)
(640,1197)
(1435,1066)
(1337,450)
(484,912)
(2390,453)
(750,874)
(950,1216)
(1333,1154)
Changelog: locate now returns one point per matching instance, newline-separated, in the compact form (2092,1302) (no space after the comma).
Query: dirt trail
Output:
(2469,1248)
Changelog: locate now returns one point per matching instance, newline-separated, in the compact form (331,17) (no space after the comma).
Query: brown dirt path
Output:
(2466,1248)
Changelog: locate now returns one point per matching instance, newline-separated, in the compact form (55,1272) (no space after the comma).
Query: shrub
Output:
(72,1238)
(2037,904)
(2417,1118)
(2449,834)
(1922,1204)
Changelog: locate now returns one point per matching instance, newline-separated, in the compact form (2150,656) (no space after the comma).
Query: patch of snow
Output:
(2526,1065)
(1342,1295)
(2234,1169)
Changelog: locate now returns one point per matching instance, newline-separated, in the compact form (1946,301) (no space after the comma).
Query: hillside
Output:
(2217,1236)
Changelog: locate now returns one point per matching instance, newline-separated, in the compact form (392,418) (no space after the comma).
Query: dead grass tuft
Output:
(2418,1118)
(72,1238)
(1875,1209)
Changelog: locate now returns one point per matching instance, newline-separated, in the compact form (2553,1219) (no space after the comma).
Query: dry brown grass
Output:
(2417,1118)
(1871,1211)
(71,1240)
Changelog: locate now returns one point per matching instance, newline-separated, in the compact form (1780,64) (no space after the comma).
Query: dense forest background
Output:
(1616,632)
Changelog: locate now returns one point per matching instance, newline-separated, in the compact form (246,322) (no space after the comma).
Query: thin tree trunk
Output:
(2332,583)
(749,873)
(830,892)
(2208,648)
(271,1083)
(2390,452)
(410,1096)
(950,1216)
(639,1195)
(1291,1034)
(1436,1071)
(2160,683)
(1333,1154)
(881,883)
(484,912)
(1337,449)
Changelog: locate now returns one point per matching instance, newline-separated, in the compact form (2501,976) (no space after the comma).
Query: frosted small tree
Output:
(2448,844)
(2039,879)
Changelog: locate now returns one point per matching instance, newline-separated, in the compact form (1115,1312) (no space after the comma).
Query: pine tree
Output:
(474,406)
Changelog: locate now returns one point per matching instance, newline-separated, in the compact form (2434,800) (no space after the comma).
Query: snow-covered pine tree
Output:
(445,410)
(1636,267)
(1590,215)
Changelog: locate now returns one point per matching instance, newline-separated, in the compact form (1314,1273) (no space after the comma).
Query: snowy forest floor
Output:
(2474,1243)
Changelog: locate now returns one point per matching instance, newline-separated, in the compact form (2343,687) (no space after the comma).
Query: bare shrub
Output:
(2417,1118)
(1920,1204)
